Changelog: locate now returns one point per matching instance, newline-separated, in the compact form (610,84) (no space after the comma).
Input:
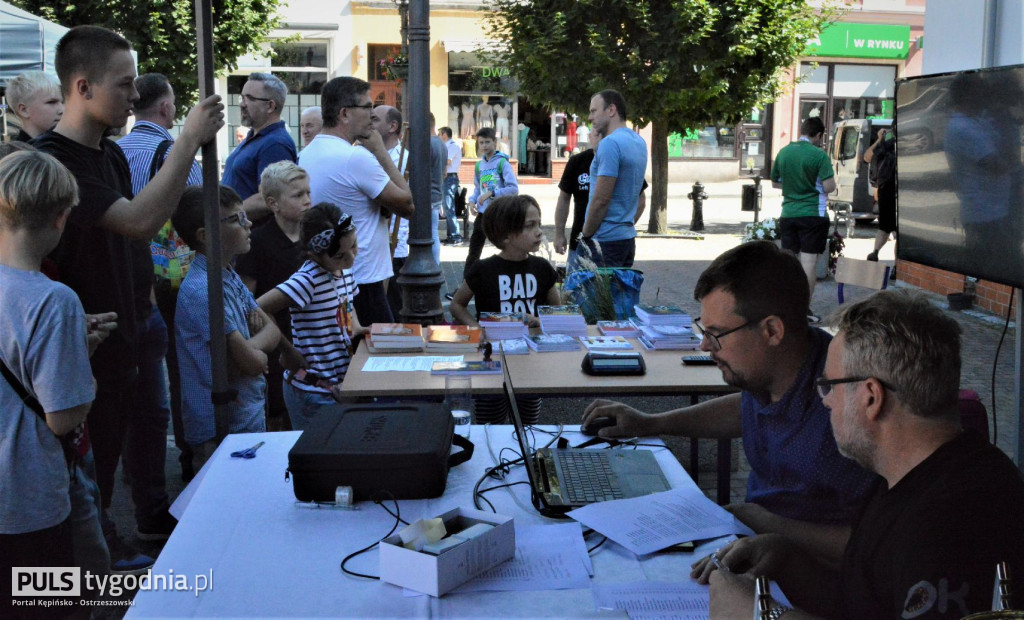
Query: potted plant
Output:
(396,66)
(763,230)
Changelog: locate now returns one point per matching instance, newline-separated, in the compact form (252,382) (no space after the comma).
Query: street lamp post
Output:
(420,278)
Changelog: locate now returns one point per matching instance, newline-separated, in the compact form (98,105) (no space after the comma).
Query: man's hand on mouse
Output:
(628,422)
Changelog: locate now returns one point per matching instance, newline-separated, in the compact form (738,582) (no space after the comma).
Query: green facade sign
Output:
(861,41)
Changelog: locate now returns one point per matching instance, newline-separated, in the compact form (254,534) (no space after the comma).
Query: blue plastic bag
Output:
(607,294)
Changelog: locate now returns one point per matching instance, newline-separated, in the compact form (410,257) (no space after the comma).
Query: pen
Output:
(718,563)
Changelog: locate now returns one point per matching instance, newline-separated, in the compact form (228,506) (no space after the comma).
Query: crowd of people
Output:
(868,498)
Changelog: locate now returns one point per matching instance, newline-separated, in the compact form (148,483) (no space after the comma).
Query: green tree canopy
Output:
(678,63)
(163,32)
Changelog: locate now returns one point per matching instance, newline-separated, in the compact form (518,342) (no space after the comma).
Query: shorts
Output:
(887,207)
(804,234)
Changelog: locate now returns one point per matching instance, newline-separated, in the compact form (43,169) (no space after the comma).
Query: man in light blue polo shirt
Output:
(268,141)
(617,176)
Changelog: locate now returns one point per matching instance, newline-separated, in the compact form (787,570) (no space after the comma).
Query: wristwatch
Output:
(776,612)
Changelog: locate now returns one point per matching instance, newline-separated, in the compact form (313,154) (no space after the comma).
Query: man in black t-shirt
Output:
(94,258)
(947,510)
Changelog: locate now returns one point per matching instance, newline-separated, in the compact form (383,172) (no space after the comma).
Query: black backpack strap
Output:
(158,157)
(29,400)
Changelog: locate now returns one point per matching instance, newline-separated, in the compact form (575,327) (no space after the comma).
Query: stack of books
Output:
(665,327)
(545,343)
(647,314)
(453,338)
(626,329)
(512,346)
(567,320)
(605,343)
(503,325)
(395,337)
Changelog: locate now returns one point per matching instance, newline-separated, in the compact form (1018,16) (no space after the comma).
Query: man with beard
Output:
(753,301)
(268,140)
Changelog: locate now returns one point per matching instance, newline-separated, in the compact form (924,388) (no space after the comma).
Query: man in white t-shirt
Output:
(349,166)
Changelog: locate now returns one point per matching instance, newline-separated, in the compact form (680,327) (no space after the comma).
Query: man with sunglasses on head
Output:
(945,510)
(349,166)
(268,140)
(753,301)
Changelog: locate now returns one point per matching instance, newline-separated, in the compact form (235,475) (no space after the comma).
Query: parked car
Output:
(854,195)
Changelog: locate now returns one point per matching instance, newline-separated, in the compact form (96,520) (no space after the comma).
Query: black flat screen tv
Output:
(960,178)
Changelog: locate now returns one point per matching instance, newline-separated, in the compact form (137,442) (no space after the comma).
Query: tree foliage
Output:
(163,32)
(678,63)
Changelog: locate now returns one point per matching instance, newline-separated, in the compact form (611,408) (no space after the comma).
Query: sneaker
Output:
(457,240)
(126,560)
(813,318)
(873,257)
(158,528)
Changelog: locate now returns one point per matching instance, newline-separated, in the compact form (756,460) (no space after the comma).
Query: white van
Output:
(854,197)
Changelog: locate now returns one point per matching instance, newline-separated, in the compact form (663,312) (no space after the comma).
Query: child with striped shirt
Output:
(324,321)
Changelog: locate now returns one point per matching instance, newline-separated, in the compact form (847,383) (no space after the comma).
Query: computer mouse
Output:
(597,424)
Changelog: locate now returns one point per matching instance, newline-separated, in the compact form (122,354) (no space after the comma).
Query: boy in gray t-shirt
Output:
(43,343)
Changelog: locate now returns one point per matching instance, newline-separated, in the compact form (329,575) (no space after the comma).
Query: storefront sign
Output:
(861,41)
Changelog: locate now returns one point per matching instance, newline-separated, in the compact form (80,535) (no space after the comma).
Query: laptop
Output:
(566,479)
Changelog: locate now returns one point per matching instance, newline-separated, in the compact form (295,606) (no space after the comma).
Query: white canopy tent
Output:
(27,42)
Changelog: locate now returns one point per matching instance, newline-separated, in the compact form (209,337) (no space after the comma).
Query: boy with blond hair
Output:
(34,97)
(46,388)
(275,255)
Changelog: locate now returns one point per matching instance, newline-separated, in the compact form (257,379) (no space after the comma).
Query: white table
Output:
(269,557)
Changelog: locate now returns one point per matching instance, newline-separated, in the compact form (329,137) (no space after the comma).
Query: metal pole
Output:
(211,202)
(420,278)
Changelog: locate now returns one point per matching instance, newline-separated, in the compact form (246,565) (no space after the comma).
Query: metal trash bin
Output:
(748,200)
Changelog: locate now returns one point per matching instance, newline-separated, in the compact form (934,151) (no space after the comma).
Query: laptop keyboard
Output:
(587,476)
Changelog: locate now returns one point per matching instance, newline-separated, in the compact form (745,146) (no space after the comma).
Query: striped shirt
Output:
(140,146)
(321,320)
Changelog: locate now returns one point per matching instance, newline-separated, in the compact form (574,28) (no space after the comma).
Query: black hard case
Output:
(399,449)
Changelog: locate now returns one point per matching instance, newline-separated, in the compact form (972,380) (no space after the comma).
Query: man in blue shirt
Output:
(268,140)
(753,301)
(617,175)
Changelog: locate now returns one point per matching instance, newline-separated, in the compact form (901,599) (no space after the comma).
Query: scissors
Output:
(248,453)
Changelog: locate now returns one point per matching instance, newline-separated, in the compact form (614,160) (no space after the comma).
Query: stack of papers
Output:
(453,338)
(605,343)
(503,325)
(626,329)
(647,314)
(567,320)
(544,343)
(396,337)
(668,337)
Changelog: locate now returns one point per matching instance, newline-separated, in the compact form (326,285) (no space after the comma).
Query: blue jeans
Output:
(145,449)
(435,216)
(90,547)
(304,406)
(451,189)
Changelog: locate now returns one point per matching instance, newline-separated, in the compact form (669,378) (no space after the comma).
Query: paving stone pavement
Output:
(671,267)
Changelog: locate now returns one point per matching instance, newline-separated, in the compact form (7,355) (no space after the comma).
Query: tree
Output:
(678,63)
(163,32)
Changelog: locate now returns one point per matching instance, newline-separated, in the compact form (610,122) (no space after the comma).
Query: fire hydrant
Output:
(698,196)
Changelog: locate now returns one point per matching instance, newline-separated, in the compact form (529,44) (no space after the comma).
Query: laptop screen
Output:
(524,444)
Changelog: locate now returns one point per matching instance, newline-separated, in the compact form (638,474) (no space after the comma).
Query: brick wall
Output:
(990,296)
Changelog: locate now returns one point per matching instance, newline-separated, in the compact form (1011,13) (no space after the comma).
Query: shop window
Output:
(710,142)
(384,88)
(481,94)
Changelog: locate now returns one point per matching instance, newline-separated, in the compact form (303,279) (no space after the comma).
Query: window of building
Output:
(709,142)
(384,89)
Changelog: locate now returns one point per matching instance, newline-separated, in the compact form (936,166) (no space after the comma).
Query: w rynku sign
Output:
(861,41)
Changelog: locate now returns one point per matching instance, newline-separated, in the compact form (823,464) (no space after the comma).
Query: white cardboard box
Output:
(437,574)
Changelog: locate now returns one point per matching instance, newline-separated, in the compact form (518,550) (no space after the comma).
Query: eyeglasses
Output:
(365,106)
(250,98)
(824,385)
(714,340)
(240,217)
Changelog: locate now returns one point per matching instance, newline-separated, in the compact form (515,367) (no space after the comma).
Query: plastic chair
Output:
(866,273)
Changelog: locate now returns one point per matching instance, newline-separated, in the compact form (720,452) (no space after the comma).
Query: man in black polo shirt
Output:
(94,258)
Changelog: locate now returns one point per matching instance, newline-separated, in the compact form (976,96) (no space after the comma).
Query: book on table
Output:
(492,367)
(605,343)
(648,314)
(624,328)
(544,343)
(454,338)
(567,319)
(513,346)
(392,347)
(503,325)
(407,333)
(668,337)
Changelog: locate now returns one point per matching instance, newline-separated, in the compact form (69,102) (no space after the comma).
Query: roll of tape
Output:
(343,496)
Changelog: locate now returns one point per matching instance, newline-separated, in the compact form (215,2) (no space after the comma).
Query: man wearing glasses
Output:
(349,166)
(753,301)
(946,508)
(268,140)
